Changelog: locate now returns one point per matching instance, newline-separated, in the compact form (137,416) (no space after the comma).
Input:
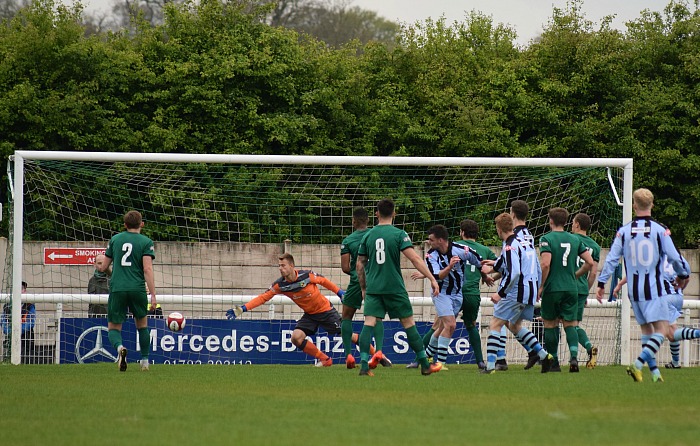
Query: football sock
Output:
(475,342)
(676,353)
(572,340)
(431,349)
(144,342)
(651,362)
(356,340)
(115,338)
(416,344)
(492,345)
(426,340)
(551,341)
(443,345)
(346,335)
(365,342)
(649,351)
(583,339)
(503,337)
(528,340)
(310,349)
(685,333)
(379,334)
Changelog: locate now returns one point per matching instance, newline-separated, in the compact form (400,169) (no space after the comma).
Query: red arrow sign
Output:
(71,256)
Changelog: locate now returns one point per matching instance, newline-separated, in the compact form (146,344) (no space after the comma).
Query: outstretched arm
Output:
(418,263)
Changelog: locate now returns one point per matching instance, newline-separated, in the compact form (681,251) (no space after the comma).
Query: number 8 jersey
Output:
(643,243)
(382,245)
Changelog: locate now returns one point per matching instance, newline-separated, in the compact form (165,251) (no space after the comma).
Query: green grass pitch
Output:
(303,405)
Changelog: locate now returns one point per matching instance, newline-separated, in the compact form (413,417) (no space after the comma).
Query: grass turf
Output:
(304,405)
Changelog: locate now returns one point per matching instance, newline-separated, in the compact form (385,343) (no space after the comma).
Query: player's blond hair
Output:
(504,222)
(643,198)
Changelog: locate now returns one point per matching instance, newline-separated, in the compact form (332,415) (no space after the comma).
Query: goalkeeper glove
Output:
(235,312)
(340,293)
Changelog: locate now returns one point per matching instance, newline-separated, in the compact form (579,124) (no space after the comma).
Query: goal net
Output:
(219,223)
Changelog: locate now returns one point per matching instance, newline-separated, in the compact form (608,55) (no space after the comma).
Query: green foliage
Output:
(215,78)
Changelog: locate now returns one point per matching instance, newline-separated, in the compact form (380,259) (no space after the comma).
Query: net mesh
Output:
(219,228)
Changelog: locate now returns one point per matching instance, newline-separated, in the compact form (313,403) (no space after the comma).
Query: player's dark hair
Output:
(439,231)
(559,216)
(385,207)
(133,219)
(288,257)
(360,215)
(24,285)
(583,220)
(520,209)
(504,222)
(470,228)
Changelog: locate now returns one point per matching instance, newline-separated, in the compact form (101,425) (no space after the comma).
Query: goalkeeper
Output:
(301,287)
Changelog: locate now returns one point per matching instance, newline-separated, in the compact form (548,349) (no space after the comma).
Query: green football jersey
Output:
(126,250)
(594,249)
(472,275)
(382,245)
(565,249)
(350,245)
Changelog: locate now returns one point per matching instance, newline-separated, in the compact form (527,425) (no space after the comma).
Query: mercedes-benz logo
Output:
(98,348)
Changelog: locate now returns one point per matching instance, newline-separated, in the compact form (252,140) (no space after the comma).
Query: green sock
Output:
(572,341)
(426,339)
(379,335)
(475,341)
(115,338)
(551,341)
(416,344)
(365,341)
(144,342)
(427,336)
(583,339)
(346,334)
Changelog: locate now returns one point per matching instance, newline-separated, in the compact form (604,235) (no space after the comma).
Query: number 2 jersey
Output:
(126,250)
(643,243)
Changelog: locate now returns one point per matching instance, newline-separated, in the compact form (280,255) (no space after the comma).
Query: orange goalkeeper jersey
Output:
(303,291)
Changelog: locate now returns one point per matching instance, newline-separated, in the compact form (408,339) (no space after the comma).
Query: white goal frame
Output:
(18,200)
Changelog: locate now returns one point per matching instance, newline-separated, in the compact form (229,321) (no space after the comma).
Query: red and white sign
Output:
(71,256)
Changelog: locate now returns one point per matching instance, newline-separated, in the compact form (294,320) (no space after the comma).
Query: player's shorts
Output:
(648,311)
(398,306)
(470,309)
(329,321)
(582,299)
(446,305)
(353,296)
(675,307)
(559,304)
(120,302)
(513,311)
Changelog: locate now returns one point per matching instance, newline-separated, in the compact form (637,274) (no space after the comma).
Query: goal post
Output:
(219,221)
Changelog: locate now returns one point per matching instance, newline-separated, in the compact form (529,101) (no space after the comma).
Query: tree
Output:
(9,8)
